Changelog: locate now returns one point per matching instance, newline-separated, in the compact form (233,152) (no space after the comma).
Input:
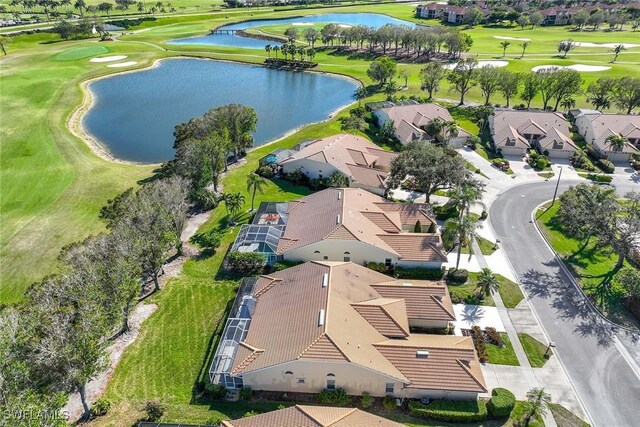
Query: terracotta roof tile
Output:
(416,246)
(424,300)
(387,315)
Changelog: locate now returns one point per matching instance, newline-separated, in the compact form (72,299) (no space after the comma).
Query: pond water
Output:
(375,20)
(134,114)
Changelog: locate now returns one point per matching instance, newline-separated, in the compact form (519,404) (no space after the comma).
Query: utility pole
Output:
(555,193)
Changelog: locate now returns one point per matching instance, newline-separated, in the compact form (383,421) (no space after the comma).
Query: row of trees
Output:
(55,342)
(55,9)
(622,92)
(401,39)
(291,50)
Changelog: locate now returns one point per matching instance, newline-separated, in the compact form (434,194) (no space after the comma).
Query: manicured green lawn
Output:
(566,418)
(467,293)
(509,292)
(535,350)
(502,355)
(592,267)
(487,247)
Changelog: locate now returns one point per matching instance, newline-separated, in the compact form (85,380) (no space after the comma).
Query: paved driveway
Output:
(468,315)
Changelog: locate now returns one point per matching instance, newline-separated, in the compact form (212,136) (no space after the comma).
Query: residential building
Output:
(559,15)
(328,325)
(449,13)
(345,224)
(365,164)
(596,127)
(514,132)
(410,122)
(313,416)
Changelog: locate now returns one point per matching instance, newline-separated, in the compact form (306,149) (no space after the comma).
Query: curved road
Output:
(598,361)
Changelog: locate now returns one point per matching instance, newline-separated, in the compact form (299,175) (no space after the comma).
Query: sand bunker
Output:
(609,45)
(108,58)
(511,38)
(577,67)
(299,24)
(344,26)
(122,64)
(481,64)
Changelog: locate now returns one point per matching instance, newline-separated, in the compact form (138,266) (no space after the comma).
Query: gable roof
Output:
(355,214)
(423,299)
(409,120)
(313,416)
(601,123)
(606,146)
(350,154)
(546,143)
(512,125)
(346,317)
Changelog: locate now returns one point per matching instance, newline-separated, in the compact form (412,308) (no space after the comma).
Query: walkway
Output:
(525,371)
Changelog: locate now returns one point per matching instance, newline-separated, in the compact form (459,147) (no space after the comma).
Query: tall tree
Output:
(431,167)
(489,79)
(464,77)
(536,405)
(626,93)
(382,70)
(255,183)
(505,45)
(234,203)
(461,231)
(617,50)
(525,44)
(311,36)
(509,84)
(531,87)
(565,47)
(600,93)
(487,282)
(360,93)
(430,76)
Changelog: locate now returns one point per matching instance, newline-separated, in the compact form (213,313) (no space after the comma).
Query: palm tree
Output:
(276,49)
(268,49)
(234,203)
(617,142)
(537,404)
(616,51)
(311,53)
(464,197)
(285,50)
(568,103)
(525,45)
(360,94)
(460,231)
(487,282)
(255,183)
(504,45)
(391,88)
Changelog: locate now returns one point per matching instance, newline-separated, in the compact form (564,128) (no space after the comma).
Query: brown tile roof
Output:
(344,152)
(313,416)
(353,213)
(513,125)
(410,119)
(450,362)
(368,176)
(387,315)
(553,136)
(416,246)
(424,299)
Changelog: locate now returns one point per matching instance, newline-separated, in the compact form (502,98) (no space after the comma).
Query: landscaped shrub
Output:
(599,178)
(501,403)
(458,275)
(389,403)
(266,171)
(484,214)
(250,414)
(494,336)
(606,165)
(452,411)
(284,264)
(211,239)
(592,153)
(579,159)
(541,163)
(337,397)
(445,212)
(419,273)
(479,343)
(245,393)
(245,262)
(366,401)
(297,177)
(215,391)
(154,410)
(100,407)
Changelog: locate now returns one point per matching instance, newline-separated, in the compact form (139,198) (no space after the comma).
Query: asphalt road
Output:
(592,354)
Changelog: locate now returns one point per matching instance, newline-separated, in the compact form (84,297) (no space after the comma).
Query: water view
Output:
(134,114)
(375,20)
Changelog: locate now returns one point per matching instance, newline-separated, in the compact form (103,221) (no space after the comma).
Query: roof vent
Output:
(325,280)
(407,284)
(422,354)
(321,318)
(338,219)
(339,195)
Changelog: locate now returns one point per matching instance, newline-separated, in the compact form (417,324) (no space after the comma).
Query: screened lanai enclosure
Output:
(235,330)
(263,234)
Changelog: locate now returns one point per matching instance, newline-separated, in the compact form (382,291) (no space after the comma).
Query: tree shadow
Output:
(597,328)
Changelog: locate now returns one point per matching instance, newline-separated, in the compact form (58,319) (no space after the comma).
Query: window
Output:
(331,384)
(300,380)
(388,388)
(347,259)
(325,257)
(288,373)
(387,262)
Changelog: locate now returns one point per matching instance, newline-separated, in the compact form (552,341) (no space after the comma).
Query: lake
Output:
(134,114)
(375,20)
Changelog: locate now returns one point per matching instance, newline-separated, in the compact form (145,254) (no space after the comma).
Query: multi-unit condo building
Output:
(328,325)
(596,128)
(345,224)
(515,132)
(410,122)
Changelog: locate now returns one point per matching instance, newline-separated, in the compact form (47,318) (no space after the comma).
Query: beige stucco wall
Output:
(311,168)
(431,324)
(584,127)
(618,157)
(375,190)
(512,151)
(335,251)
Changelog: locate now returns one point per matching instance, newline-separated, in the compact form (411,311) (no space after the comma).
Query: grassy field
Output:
(566,418)
(535,350)
(502,355)
(592,267)
(509,292)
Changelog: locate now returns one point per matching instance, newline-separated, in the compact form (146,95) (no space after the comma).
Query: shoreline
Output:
(75,120)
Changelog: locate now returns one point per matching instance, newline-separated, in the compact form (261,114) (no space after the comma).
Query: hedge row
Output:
(419,273)
(501,403)
(451,411)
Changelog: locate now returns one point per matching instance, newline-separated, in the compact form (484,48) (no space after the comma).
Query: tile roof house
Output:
(410,122)
(596,128)
(313,416)
(341,325)
(514,132)
(364,163)
(351,224)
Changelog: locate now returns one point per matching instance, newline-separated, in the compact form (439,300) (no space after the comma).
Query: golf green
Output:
(80,53)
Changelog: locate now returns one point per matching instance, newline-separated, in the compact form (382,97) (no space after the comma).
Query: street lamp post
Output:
(555,193)
(549,347)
